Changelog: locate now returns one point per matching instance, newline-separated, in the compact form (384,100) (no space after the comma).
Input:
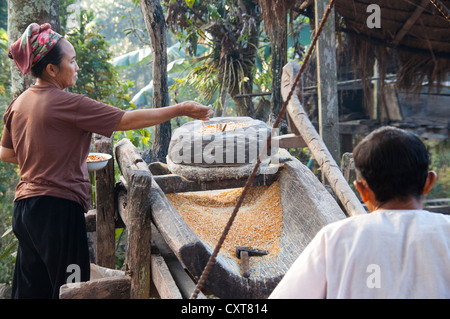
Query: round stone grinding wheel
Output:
(238,145)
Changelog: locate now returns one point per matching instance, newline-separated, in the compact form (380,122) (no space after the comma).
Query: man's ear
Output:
(431,178)
(363,189)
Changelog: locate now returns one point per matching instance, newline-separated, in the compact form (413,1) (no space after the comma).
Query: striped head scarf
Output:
(33,45)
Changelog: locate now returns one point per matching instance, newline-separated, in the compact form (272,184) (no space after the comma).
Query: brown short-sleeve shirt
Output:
(50,132)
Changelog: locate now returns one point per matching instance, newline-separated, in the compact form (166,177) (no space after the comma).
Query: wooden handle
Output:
(244,264)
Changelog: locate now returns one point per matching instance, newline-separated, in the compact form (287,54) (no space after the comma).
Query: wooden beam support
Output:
(137,219)
(116,287)
(410,22)
(183,281)
(105,243)
(137,260)
(290,140)
(317,146)
(173,183)
(163,283)
(162,279)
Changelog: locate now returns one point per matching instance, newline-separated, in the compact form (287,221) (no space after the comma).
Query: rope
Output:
(212,258)
(442,8)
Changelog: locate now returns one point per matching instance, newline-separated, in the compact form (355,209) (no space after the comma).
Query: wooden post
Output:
(137,219)
(116,287)
(104,194)
(317,147)
(139,234)
(326,80)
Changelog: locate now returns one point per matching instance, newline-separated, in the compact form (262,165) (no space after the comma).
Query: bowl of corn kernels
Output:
(97,161)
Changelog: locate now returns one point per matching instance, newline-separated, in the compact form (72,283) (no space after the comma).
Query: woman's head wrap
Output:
(33,45)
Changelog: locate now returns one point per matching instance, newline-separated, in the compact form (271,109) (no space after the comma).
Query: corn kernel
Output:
(258,222)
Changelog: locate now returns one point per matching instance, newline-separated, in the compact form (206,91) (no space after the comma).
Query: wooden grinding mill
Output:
(212,180)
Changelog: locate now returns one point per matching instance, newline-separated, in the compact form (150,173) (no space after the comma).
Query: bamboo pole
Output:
(316,145)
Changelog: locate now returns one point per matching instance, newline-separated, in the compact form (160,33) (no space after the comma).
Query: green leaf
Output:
(258,63)
(140,99)
(133,57)
(3,39)
(178,65)
(9,249)
(9,230)
(190,3)
(118,232)
(267,52)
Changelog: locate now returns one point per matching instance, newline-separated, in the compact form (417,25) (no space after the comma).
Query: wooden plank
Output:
(104,194)
(160,274)
(91,220)
(391,108)
(438,205)
(184,283)
(137,219)
(410,22)
(290,140)
(317,146)
(116,287)
(128,158)
(162,279)
(173,183)
(443,209)
(138,255)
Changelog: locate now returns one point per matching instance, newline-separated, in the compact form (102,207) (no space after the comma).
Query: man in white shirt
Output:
(398,250)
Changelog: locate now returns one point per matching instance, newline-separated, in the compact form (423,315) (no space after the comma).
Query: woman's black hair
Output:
(393,162)
(53,57)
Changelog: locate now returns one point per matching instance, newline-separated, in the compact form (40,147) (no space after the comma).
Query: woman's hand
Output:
(197,110)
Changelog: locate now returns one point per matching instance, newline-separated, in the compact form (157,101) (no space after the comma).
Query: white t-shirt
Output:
(385,254)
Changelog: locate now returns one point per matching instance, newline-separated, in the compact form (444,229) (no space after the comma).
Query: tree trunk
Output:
(156,27)
(22,13)
(244,106)
(326,81)
(278,43)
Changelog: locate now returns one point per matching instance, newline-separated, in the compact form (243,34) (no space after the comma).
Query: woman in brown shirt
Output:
(48,134)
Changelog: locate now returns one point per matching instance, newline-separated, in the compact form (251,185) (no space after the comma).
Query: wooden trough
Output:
(307,206)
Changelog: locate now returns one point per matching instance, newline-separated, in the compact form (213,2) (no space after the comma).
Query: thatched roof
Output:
(412,31)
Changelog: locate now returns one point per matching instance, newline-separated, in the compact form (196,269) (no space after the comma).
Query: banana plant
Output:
(180,63)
